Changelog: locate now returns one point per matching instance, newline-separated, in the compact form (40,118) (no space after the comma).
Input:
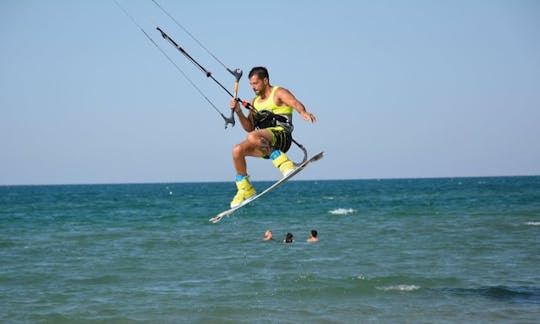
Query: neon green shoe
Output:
(245,191)
(284,164)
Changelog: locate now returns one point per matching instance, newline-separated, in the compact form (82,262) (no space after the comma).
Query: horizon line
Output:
(258,181)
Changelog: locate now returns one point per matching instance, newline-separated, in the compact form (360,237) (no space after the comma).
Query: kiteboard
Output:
(297,170)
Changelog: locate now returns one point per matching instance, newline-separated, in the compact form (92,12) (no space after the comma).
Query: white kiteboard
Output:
(297,170)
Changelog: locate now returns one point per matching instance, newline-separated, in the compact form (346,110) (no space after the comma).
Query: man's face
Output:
(258,85)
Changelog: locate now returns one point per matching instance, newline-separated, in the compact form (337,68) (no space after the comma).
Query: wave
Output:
(399,288)
(533,223)
(308,284)
(519,294)
(342,211)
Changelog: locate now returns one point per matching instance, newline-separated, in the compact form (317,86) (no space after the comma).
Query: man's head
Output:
(259,71)
(268,235)
(259,79)
(289,238)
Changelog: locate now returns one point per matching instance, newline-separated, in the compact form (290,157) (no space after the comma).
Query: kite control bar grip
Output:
(237,74)
(246,104)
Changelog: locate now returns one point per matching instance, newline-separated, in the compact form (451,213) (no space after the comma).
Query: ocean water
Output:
(390,251)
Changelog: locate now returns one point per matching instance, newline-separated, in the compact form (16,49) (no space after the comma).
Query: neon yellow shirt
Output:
(270,105)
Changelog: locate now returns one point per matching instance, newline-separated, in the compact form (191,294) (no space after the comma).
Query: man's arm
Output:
(285,97)
(246,121)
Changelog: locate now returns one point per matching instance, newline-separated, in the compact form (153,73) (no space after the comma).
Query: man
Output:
(289,238)
(268,236)
(313,237)
(269,129)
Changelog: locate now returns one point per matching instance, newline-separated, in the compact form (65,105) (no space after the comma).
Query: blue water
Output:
(390,251)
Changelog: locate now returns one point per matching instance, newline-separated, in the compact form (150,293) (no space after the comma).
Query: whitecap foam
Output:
(342,211)
(400,288)
(533,223)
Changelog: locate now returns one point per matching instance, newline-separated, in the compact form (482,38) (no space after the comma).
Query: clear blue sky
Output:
(400,88)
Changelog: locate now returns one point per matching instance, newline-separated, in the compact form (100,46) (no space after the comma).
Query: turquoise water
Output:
(421,250)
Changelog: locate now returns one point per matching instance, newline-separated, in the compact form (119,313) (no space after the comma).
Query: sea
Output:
(445,250)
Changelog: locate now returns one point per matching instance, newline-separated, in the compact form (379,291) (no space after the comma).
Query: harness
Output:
(265,119)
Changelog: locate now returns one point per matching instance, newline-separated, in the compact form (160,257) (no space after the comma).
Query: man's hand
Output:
(235,105)
(308,117)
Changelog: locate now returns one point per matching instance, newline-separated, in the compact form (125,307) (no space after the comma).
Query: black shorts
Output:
(281,139)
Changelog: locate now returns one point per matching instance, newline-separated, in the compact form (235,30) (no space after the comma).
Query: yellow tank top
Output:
(270,105)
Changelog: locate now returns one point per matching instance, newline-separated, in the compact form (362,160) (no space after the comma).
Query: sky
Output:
(401,89)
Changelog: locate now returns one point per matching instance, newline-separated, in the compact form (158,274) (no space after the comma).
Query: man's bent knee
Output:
(238,151)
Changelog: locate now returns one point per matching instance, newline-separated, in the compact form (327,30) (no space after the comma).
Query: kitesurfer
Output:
(269,126)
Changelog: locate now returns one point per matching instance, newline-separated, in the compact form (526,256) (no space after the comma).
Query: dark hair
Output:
(260,71)
(289,238)
(314,233)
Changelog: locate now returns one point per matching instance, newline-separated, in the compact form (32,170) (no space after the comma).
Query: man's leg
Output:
(257,144)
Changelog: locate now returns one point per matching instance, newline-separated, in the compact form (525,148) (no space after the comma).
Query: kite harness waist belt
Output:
(266,119)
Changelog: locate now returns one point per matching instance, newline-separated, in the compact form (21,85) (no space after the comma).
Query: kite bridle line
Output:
(237,73)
